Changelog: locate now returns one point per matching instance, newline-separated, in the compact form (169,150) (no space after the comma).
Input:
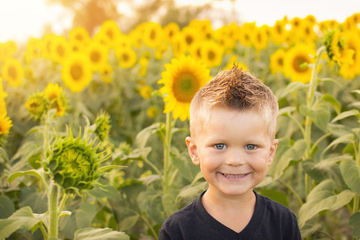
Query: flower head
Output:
(74,163)
(5,124)
(54,93)
(12,72)
(37,105)
(102,125)
(76,72)
(337,49)
(182,78)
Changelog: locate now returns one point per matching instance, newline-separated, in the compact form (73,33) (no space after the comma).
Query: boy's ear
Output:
(192,150)
(273,151)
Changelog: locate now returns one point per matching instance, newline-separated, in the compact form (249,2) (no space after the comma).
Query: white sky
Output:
(20,19)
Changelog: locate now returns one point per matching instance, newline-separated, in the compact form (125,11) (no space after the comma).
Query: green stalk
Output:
(54,215)
(309,103)
(167,146)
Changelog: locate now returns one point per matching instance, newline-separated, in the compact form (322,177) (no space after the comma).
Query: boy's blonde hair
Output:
(234,89)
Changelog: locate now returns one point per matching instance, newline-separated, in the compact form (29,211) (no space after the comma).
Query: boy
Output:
(232,127)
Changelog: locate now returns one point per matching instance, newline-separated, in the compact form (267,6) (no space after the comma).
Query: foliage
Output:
(57,184)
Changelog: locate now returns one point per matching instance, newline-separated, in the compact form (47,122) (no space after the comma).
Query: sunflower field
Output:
(93,127)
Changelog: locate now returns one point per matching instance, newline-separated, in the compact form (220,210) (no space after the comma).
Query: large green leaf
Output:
(354,224)
(285,154)
(6,207)
(346,114)
(351,174)
(291,87)
(21,219)
(85,214)
(99,234)
(323,197)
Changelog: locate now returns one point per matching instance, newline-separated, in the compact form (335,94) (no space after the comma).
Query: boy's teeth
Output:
(233,175)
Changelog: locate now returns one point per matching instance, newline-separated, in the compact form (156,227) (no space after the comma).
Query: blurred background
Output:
(20,19)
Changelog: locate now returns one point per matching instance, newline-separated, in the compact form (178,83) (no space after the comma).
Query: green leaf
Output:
(35,173)
(144,135)
(293,86)
(351,174)
(185,166)
(21,219)
(6,207)
(285,154)
(333,101)
(321,198)
(85,215)
(192,191)
(99,234)
(348,138)
(128,222)
(346,114)
(275,195)
(286,110)
(354,224)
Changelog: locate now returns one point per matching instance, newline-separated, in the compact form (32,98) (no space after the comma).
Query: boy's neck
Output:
(235,212)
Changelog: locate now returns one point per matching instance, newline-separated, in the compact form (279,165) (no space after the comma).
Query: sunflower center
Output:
(60,50)
(153,34)
(211,55)
(76,71)
(184,87)
(95,57)
(125,57)
(189,40)
(12,72)
(79,37)
(280,61)
(297,63)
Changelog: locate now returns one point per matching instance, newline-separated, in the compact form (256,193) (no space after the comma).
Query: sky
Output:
(21,19)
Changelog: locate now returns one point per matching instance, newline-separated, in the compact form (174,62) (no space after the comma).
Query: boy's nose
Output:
(235,158)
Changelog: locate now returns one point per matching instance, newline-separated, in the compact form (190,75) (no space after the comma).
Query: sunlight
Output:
(21,19)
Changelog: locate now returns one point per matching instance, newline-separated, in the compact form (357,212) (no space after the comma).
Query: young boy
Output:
(232,127)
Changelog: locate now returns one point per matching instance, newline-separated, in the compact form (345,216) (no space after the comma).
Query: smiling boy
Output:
(232,126)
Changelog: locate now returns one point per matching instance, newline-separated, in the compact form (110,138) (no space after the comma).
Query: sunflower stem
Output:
(308,121)
(167,146)
(54,214)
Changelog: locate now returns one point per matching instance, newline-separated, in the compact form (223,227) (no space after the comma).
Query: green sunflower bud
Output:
(37,105)
(74,163)
(103,126)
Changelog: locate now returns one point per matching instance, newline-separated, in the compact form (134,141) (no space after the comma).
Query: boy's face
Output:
(234,150)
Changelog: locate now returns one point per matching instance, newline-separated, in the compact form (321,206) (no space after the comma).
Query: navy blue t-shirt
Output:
(270,220)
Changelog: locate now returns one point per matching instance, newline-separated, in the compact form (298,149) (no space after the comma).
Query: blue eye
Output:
(220,146)
(250,147)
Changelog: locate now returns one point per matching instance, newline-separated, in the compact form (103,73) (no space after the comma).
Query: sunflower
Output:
(59,49)
(54,93)
(307,31)
(127,57)
(79,35)
(109,32)
(33,49)
(170,31)
(278,32)
(234,60)
(12,72)
(259,38)
(182,78)
(152,35)
(160,50)
(178,45)
(349,71)
(145,91)
(341,53)
(106,73)
(97,54)
(245,33)
(37,105)
(5,124)
(195,50)
(152,112)
(47,42)
(277,61)
(190,35)
(143,62)
(211,53)
(3,95)
(76,72)
(296,62)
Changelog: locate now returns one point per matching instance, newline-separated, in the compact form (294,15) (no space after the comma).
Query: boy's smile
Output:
(234,150)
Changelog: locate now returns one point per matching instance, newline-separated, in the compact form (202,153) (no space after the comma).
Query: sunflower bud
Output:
(103,126)
(74,163)
(37,105)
